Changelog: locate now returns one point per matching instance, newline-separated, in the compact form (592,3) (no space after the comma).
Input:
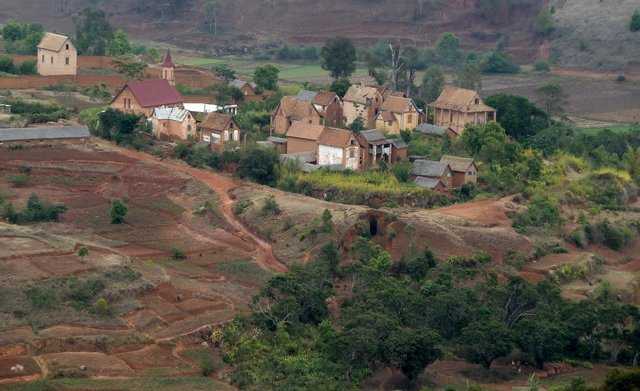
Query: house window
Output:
(66,61)
(189,128)
(236,135)
(226,135)
(352,153)
(67,46)
(43,58)
(52,59)
(410,118)
(477,101)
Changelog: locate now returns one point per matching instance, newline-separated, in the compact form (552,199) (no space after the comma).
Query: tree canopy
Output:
(339,57)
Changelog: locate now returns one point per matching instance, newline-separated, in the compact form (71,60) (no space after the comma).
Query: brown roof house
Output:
(142,97)
(328,104)
(292,109)
(248,89)
(362,102)
(398,113)
(464,170)
(431,175)
(303,137)
(57,56)
(339,147)
(173,123)
(219,129)
(457,107)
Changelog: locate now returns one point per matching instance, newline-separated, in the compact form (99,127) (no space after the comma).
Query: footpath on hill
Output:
(222,185)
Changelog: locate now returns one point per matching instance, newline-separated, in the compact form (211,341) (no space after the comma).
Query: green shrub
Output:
(178,254)
(635,21)
(18,180)
(240,206)
(579,237)
(542,66)
(29,67)
(206,367)
(35,211)
(327,221)
(118,212)
(616,237)
(83,292)
(102,307)
(270,206)
(402,171)
(83,252)
(41,298)
(542,212)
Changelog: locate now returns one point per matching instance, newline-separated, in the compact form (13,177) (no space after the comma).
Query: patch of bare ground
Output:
(169,300)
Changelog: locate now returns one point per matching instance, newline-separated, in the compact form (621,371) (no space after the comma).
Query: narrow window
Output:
(67,46)
(66,61)
(52,59)
(43,58)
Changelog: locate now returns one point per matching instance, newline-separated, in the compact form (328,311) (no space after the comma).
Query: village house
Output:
(362,102)
(398,113)
(173,123)
(303,137)
(219,129)
(328,104)
(464,170)
(57,56)
(380,148)
(291,110)
(142,97)
(431,175)
(457,107)
(248,89)
(340,147)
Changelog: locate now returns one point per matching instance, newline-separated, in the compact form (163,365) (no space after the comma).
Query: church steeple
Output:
(168,69)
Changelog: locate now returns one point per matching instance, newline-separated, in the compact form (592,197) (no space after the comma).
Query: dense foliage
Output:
(21,38)
(35,211)
(404,315)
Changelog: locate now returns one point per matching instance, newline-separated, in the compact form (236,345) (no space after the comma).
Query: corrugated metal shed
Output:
(44,133)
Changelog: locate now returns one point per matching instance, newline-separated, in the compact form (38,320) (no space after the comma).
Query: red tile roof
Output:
(154,93)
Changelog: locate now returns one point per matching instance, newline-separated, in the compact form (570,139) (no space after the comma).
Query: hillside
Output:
(247,23)
(244,25)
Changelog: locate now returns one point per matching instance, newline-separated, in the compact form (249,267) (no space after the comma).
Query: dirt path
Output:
(222,185)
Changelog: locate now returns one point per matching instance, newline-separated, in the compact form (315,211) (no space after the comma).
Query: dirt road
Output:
(222,185)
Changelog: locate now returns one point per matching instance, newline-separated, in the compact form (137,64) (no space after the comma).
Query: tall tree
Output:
(93,32)
(552,98)
(266,77)
(470,77)
(339,57)
(432,84)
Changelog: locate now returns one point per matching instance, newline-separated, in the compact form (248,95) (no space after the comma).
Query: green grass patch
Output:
(619,128)
(289,71)
(244,270)
(368,181)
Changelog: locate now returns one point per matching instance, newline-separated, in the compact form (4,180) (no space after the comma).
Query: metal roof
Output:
(431,129)
(428,168)
(170,113)
(44,133)
(427,183)
(306,95)
(373,135)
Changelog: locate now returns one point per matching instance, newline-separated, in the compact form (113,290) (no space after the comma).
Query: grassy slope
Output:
(289,71)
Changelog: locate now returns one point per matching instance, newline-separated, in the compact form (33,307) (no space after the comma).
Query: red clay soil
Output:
(489,212)
(222,185)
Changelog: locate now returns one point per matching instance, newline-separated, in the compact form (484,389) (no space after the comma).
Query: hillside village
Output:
(412,222)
